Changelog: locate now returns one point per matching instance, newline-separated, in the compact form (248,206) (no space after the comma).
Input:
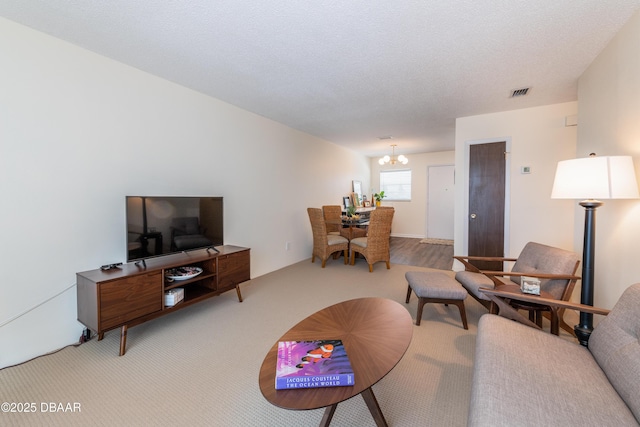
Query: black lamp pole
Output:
(584,329)
(144,215)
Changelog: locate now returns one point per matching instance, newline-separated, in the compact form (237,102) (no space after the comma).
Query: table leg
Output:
(555,330)
(374,408)
(123,339)
(328,415)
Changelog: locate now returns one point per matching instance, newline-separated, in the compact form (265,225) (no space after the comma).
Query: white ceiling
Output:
(349,71)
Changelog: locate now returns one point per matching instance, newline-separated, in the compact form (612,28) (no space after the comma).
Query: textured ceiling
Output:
(349,71)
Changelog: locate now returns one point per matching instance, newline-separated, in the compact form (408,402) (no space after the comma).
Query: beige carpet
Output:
(199,366)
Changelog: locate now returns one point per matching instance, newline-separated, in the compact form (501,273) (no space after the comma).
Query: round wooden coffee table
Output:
(376,333)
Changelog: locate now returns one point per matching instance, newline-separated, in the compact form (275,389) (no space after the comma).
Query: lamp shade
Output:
(606,177)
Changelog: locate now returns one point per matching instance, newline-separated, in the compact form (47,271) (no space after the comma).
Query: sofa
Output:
(524,376)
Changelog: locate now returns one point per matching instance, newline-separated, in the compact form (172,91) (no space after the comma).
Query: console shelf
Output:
(133,293)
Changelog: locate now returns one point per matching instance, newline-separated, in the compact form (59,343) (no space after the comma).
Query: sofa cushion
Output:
(473,281)
(615,344)
(359,241)
(523,376)
(333,239)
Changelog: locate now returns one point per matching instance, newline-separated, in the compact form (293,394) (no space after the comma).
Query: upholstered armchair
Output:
(554,267)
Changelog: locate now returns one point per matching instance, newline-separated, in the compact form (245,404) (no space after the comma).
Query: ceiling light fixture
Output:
(393,159)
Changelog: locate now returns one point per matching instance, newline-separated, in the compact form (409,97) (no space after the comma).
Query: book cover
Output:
(311,364)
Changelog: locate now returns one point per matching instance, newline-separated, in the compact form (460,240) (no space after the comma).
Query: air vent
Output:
(382,138)
(519,92)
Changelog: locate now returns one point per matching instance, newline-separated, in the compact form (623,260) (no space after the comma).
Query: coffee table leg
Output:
(374,408)
(328,415)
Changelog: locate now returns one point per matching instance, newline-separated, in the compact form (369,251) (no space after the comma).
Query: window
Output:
(396,184)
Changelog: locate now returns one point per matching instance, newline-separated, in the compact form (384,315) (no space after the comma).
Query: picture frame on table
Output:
(357,190)
(346,201)
(355,200)
(367,204)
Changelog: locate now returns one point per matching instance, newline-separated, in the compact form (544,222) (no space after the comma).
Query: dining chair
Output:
(375,246)
(333,218)
(325,244)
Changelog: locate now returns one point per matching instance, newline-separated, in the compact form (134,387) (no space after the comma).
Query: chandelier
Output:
(393,159)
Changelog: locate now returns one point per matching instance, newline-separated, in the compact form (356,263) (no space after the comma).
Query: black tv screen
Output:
(158,225)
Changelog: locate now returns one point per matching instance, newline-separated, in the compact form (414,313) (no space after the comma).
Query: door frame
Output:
(507,190)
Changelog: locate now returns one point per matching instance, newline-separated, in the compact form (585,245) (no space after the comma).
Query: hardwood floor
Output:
(410,251)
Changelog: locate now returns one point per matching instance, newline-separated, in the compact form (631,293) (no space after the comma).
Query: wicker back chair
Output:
(333,218)
(325,244)
(375,247)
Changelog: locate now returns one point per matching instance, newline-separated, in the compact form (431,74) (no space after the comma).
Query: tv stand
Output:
(130,295)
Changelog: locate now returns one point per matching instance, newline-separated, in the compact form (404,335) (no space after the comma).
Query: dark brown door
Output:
(487,202)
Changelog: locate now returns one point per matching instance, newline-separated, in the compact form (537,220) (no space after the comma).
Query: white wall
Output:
(609,124)
(538,138)
(79,131)
(409,219)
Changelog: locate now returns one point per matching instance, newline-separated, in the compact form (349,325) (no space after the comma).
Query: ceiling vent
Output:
(519,92)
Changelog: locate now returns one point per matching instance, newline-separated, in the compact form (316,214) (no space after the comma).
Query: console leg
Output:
(123,339)
(238,292)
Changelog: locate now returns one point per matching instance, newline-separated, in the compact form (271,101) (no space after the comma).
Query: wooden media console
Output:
(133,293)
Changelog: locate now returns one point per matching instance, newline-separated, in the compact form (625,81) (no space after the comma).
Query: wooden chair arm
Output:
(482,258)
(546,301)
(538,275)
(470,267)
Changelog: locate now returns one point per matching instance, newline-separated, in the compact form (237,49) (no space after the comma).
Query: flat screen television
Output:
(159,225)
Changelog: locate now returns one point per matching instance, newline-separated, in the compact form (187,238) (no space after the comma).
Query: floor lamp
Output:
(589,179)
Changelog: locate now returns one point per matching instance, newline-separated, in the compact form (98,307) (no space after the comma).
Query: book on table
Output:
(312,364)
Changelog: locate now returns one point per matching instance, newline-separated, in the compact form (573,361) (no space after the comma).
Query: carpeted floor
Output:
(199,366)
